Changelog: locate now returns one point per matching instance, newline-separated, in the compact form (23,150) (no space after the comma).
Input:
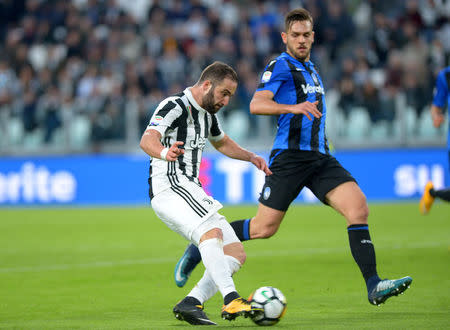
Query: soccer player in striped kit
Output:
(175,138)
(291,88)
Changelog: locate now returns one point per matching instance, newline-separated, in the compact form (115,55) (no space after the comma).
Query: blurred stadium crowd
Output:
(85,75)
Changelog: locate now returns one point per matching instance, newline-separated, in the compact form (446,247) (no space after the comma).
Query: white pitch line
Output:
(260,254)
(94,264)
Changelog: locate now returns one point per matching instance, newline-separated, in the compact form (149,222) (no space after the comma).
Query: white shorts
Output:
(190,212)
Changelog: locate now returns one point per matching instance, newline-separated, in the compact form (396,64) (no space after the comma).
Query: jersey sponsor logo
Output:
(199,142)
(366,241)
(266,76)
(312,89)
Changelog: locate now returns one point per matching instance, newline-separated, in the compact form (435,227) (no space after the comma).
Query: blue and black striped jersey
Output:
(441,97)
(293,82)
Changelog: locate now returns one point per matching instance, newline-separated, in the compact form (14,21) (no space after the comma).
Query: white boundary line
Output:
(149,261)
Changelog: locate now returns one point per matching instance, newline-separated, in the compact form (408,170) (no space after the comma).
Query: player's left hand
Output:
(260,163)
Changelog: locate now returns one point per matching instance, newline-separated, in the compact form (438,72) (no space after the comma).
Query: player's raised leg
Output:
(348,199)
(263,225)
(187,263)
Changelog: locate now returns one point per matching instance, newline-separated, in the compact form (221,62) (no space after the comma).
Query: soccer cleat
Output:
(388,288)
(240,307)
(427,200)
(192,314)
(185,266)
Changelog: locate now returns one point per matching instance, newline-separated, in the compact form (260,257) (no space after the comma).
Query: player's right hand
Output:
(306,108)
(175,151)
(438,119)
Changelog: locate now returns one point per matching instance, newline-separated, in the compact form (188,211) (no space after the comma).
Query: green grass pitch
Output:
(112,268)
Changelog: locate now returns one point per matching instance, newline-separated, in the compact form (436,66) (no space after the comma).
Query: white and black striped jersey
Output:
(180,118)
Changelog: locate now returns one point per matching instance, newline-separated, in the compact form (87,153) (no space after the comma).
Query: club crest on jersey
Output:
(266,193)
(207,200)
(190,112)
(314,78)
(266,76)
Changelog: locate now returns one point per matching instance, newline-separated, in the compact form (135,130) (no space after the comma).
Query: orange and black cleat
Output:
(240,307)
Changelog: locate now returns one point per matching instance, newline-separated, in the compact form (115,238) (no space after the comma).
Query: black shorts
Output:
(295,169)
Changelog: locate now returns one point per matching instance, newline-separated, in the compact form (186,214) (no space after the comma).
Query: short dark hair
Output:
(297,15)
(217,72)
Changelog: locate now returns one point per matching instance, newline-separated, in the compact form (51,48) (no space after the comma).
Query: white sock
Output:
(233,263)
(216,265)
(206,288)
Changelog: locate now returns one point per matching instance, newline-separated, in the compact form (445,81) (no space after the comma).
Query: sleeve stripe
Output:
(215,129)
(165,109)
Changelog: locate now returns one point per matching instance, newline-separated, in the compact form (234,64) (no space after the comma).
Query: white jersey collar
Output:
(191,99)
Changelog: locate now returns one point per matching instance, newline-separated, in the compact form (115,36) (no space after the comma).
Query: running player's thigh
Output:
(184,209)
(348,199)
(266,221)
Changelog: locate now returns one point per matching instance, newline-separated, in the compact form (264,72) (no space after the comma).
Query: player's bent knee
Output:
(359,214)
(213,233)
(236,250)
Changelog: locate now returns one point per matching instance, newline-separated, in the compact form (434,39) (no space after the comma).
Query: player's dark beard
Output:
(302,58)
(208,102)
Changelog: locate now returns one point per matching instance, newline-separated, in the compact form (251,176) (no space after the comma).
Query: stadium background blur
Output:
(79,80)
(84,76)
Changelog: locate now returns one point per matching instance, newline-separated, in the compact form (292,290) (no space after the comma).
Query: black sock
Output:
(363,251)
(230,297)
(242,229)
(443,194)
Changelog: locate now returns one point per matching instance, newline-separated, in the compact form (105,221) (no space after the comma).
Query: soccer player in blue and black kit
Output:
(291,88)
(440,100)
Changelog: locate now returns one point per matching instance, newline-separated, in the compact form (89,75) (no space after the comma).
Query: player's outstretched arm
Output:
(262,103)
(233,150)
(151,144)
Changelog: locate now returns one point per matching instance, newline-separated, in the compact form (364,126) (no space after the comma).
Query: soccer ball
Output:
(272,301)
